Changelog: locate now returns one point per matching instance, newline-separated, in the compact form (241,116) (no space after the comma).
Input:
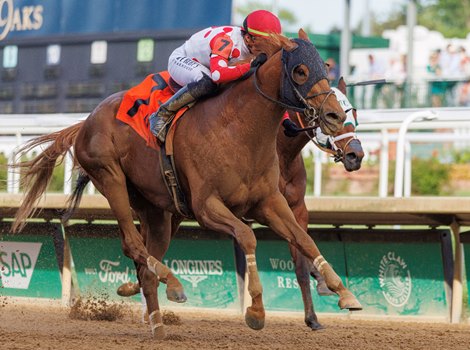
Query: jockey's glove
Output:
(290,128)
(259,60)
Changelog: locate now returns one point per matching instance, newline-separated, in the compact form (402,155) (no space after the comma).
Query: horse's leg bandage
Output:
(156,320)
(331,278)
(250,260)
(254,284)
(319,262)
(159,269)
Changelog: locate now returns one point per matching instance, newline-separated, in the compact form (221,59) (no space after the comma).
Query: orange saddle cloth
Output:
(141,101)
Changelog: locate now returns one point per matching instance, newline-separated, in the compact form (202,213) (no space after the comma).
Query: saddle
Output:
(137,104)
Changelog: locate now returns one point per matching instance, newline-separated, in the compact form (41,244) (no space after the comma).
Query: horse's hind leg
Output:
(129,289)
(213,214)
(111,182)
(156,228)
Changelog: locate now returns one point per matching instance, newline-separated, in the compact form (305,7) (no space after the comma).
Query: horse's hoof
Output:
(128,289)
(176,296)
(254,320)
(314,325)
(159,333)
(349,302)
(323,290)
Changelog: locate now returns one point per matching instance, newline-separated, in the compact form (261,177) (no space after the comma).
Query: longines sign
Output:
(24,18)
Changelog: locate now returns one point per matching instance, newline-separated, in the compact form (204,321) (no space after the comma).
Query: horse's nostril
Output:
(332,123)
(351,156)
(333,116)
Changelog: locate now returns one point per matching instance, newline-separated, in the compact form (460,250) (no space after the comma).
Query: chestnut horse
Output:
(346,148)
(226,160)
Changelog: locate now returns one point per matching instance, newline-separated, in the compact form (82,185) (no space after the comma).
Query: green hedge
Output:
(56,184)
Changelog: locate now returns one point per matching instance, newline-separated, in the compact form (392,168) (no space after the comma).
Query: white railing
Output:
(16,129)
(377,129)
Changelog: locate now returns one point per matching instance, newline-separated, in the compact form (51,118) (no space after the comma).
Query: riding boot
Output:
(184,97)
(166,112)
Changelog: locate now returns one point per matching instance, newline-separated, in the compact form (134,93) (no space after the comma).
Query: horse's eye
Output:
(300,74)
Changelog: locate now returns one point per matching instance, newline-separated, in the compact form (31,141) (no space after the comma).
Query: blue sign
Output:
(38,18)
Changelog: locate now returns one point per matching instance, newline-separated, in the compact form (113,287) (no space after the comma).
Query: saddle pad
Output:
(141,101)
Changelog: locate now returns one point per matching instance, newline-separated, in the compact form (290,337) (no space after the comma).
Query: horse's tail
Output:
(73,202)
(38,171)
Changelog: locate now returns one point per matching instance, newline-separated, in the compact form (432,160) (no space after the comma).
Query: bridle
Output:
(337,152)
(311,114)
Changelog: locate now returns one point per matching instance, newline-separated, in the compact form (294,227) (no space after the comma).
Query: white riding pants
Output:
(185,70)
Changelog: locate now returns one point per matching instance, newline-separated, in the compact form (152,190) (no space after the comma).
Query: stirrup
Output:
(162,130)
(158,125)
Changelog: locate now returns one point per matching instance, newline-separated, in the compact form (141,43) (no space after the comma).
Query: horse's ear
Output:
(303,35)
(342,85)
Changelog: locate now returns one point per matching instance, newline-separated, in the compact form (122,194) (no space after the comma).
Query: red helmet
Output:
(261,23)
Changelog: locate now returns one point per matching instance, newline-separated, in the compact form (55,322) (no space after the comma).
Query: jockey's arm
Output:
(221,72)
(290,128)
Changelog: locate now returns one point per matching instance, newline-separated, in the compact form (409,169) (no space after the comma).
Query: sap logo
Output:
(17,262)
(20,18)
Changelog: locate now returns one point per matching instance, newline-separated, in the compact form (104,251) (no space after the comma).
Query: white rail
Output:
(376,127)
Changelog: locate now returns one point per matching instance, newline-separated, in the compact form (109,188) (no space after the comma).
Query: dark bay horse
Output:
(227,164)
(346,148)
(293,183)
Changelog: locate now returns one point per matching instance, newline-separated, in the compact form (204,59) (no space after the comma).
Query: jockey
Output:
(203,61)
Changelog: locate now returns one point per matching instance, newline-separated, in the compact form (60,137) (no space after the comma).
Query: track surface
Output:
(25,326)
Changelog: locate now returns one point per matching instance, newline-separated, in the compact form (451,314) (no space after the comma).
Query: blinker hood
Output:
(305,53)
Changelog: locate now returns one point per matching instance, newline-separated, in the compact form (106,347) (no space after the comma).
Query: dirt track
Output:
(45,327)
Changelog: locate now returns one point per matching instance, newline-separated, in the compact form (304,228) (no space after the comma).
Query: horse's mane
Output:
(275,42)
(270,45)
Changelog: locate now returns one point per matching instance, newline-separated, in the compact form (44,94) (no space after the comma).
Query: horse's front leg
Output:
(301,216)
(303,267)
(213,214)
(275,213)
(302,273)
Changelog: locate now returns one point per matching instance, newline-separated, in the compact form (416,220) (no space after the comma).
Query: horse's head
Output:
(304,84)
(311,77)
(344,144)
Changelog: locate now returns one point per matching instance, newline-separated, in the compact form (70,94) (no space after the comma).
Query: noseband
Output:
(337,152)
